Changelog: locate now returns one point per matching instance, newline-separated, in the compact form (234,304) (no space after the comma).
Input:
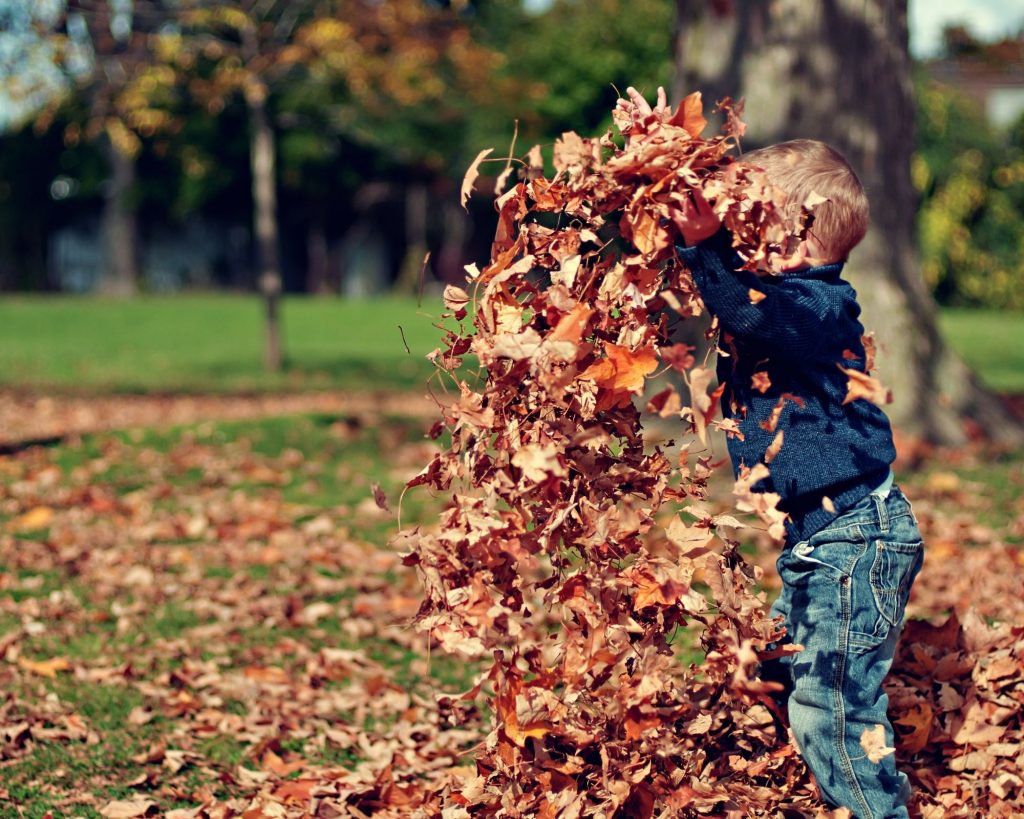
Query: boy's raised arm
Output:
(790,320)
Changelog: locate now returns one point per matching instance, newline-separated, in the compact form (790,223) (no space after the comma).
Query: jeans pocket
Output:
(893,570)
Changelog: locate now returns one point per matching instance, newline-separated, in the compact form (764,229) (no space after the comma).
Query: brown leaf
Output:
(471,176)
(129,808)
(920,719)
(865,386)
(872,740)
(455,298)
(379,497)
(761,382)
(774,446)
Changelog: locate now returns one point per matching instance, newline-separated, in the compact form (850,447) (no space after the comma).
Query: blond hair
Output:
(801,167)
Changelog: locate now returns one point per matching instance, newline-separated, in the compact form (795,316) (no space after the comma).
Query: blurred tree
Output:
(583,54)
(105,49)
(379,67)
(839,71)
(971,222)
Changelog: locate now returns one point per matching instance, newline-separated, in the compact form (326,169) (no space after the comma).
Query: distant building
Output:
(992,74)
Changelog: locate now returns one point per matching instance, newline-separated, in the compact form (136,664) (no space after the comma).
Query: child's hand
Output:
(695,220)
(639,109)
(630,113)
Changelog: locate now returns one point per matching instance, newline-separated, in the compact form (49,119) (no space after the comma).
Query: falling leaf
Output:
(624,369)
(774,446)
(865,386)
(571,326)
(690,115)
(872,740)
(760,382)
(455,298)
(379,497)
(471,176)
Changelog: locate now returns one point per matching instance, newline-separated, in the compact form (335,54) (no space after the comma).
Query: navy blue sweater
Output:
(797,333)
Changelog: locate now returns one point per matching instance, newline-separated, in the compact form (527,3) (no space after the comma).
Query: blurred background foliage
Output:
(970,175)
(375,110)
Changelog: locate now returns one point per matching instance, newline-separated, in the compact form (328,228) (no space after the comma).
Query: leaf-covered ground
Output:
(208,620)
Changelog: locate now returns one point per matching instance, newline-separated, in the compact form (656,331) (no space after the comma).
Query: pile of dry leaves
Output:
(555,560)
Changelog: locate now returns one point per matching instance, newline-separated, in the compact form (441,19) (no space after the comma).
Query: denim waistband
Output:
(874,510)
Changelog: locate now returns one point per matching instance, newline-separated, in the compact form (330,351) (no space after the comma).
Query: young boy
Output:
(853,548)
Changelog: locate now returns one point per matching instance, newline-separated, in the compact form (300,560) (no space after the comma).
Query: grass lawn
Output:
(991,341)
(214,342)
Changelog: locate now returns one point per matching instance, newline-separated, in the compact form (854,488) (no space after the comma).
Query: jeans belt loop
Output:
(883,512)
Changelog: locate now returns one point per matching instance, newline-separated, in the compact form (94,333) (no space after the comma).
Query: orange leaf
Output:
(624,370)
(38,517)
(505,706)
(920,719)
(861,385)
(45,668)
(267,674)
(690,115)
(570,327)
(631,367)
(272,763)
(637,723)
(296,790)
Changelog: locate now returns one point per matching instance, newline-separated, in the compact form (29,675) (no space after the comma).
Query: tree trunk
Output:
(451,257)
(412,271)
(264,195)
(317,258)
(839,71)
(119,226)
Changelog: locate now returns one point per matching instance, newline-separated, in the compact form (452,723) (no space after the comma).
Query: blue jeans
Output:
(844,592)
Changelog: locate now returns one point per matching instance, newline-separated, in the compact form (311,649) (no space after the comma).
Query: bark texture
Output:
(119,226)
(840,71)
(262,152)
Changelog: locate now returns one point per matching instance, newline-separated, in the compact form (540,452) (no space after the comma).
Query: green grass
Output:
(198,343)
(991,342)
(212,342)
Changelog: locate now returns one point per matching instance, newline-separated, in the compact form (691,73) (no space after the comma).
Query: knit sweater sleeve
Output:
(791,320)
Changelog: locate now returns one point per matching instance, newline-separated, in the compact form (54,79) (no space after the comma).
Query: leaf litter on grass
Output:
(209,644)
(258,635)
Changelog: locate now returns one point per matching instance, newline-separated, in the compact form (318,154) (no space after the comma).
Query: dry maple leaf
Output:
(129,808)
(690,115)
(861,385)
(872,740)
(471,176)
